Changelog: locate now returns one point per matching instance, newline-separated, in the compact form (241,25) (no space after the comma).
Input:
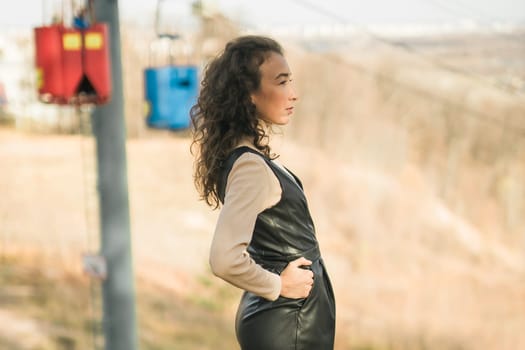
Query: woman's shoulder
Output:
(242,162)
(244,150)
(250,173)
(247,158)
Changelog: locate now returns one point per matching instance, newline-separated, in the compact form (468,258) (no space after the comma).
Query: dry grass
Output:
(37,315)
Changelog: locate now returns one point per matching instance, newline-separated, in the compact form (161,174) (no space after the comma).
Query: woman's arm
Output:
(252,187)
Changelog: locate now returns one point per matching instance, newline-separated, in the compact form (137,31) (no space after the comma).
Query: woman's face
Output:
(275,99)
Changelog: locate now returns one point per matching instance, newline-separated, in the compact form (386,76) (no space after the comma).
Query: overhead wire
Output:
(481,18)
(502,86)
(482,116)
(84,130)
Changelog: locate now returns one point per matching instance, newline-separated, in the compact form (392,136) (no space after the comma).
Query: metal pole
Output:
(118,291)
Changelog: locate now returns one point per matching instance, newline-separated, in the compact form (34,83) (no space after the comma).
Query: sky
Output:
(257,13)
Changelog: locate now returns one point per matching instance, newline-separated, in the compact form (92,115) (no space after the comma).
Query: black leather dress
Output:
(282,234)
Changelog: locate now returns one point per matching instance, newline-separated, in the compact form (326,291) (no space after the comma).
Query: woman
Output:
(264,241)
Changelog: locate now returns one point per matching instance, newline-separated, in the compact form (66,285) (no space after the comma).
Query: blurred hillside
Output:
(414,174)
(390,109)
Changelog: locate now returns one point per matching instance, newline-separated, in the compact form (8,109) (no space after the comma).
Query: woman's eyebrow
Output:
(282,75)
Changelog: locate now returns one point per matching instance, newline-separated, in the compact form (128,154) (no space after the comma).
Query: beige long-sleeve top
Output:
(251,188)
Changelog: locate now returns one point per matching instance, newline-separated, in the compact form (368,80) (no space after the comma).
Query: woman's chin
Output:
(283,120)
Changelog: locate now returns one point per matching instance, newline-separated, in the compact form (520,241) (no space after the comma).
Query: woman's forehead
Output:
(274,65)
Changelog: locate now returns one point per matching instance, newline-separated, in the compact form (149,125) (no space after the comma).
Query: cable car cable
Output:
(481,116)
(83,115)
(507,88)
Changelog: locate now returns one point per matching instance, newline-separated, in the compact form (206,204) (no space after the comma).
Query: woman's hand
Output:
(297,282)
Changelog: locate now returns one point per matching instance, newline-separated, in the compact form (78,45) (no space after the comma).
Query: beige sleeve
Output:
(252,187)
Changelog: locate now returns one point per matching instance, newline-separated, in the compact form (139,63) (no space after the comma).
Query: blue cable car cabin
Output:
(170,92)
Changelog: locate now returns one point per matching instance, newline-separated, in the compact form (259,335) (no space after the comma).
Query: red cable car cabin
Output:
(73,64)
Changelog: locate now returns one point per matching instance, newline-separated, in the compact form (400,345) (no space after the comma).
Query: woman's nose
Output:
(293,94)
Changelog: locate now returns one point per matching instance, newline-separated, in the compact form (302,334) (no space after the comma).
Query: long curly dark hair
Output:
(224,113)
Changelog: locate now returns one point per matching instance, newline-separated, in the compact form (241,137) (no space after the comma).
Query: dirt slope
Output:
(408,273)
